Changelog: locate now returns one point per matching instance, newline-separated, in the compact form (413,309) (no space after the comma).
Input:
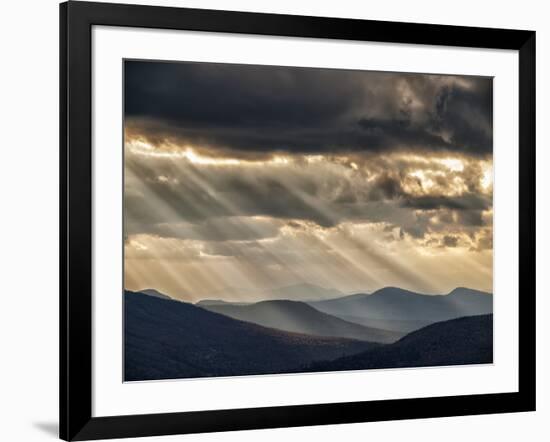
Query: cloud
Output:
(170,196)
(257,109)
(450,241)
(466,202)
(226,228)
(261,176)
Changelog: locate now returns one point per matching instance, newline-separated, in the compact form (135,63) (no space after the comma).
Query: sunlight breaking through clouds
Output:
(354,224)
(391,185)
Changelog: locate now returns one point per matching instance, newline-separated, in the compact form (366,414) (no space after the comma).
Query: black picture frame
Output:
(76,21)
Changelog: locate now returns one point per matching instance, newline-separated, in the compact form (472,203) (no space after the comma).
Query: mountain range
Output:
(398,306)
(392,310)
(390,328)
(300,317)
(168,339)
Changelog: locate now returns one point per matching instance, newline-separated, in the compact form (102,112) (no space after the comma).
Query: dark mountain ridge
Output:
(167,339)
(461,341)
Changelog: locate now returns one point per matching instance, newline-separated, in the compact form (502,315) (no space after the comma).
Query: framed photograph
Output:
(272,221)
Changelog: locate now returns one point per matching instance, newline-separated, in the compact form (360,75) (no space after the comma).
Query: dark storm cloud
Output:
(471,218)
(381,134)
(257,109)
(468,202)
(386,187)
(466,115)
(450,241)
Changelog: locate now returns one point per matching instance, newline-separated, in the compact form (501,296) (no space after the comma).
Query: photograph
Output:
(283,220)
(275,221)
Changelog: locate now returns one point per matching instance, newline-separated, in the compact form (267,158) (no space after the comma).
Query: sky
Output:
(243,178)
